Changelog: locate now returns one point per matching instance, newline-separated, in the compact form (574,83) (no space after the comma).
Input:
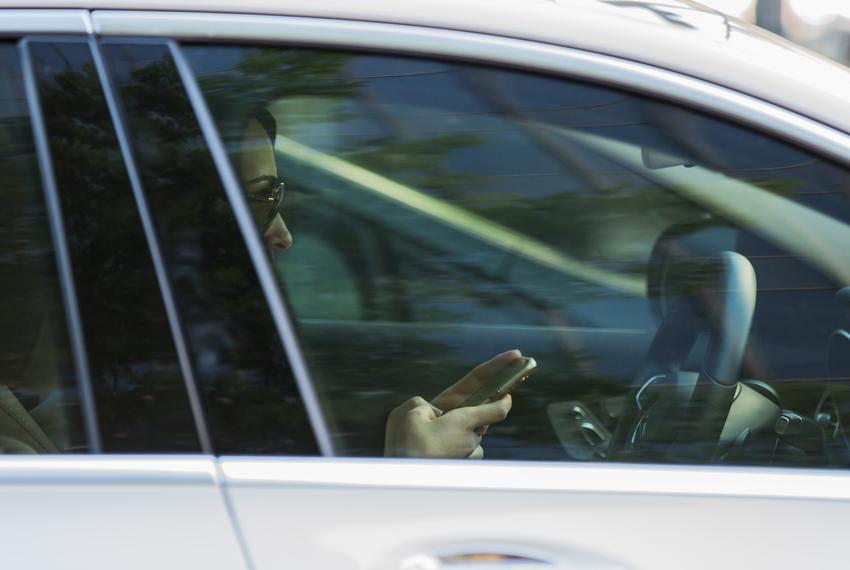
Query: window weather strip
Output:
(256,251)
(155,251)
(63,261)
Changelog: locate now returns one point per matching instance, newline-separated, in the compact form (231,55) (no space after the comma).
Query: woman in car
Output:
(417,427)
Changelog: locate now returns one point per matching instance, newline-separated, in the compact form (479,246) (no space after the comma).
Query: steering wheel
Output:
(666,415)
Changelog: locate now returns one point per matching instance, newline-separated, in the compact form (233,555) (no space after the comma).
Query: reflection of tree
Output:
(581,224)
(262,76)
(34,349)
(250,399)
(417,162)
(671,13)
(139,392)
(490,86)
(660,9)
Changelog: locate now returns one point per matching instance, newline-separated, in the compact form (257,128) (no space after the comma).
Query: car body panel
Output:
(708,44)
(376,514)
(116,512)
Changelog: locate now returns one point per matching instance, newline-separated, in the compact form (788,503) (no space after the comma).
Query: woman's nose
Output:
(277,235)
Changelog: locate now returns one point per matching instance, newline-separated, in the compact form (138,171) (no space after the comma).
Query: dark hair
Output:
(267,121)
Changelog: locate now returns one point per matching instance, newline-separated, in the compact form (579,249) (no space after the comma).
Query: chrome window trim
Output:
(93,469)
(499,50)
(671,480)
(154,249)
(59,238)
(257,252)
(18,22)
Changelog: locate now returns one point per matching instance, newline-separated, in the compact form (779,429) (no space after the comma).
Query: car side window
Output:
(250,400)
(140,393)
(40,409)
(679,279)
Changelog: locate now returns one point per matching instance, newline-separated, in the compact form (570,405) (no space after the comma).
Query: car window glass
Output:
(677,277)
(321,282)
(40,408)
(250,399)
(141,398)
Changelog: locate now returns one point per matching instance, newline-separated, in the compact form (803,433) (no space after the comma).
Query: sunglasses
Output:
(264,194)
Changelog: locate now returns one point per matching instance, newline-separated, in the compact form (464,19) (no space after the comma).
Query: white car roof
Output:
(678,35)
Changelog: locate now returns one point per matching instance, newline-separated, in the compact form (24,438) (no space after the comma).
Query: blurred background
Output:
(820,25)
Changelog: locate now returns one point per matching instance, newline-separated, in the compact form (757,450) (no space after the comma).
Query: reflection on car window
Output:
(39,400)
(139,390)
(674,275)
(250,399)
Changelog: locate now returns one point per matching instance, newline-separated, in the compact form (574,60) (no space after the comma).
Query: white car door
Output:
(107,512)
(452,204)
(416,514)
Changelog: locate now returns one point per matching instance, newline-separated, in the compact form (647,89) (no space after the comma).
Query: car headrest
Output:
(678,259)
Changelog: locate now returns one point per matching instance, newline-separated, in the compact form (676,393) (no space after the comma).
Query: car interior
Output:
(34,412)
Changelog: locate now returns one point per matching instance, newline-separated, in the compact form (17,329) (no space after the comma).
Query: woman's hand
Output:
(418,428)
(421,430)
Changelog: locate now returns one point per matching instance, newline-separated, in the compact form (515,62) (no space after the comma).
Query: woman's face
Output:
(257,164)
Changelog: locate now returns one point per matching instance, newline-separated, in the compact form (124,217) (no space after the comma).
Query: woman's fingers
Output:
(418,428)
(496,364)
(416,405)
(410,403)
(486,414)
(451,397)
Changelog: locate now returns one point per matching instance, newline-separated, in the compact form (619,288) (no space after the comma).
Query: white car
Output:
(237,235)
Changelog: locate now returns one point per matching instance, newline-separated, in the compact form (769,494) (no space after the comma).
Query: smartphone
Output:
(502,383)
